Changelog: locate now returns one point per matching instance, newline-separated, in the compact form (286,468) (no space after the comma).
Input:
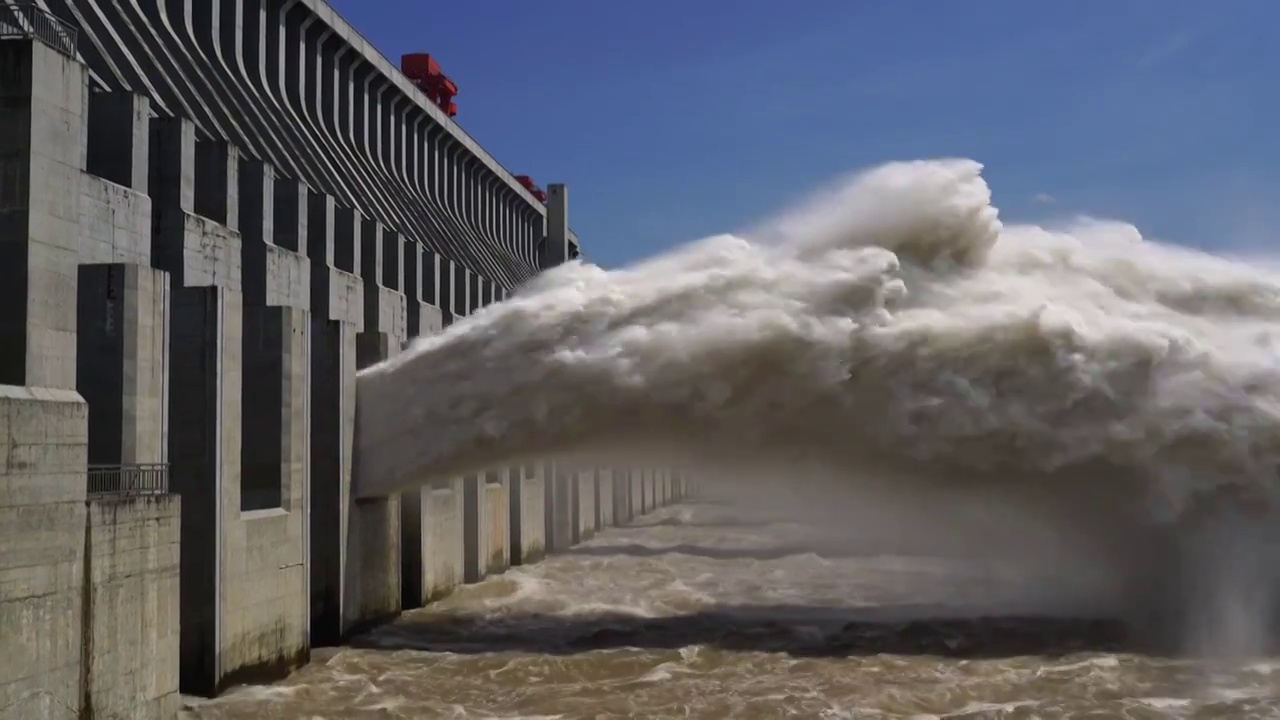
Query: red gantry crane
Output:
(533,189)
(425,72)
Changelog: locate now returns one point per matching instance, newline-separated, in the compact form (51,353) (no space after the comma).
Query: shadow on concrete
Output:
(796,630)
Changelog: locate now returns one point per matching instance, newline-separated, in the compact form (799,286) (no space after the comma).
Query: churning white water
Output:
(893,333)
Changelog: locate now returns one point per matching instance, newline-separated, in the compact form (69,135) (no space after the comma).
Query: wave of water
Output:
(892,327)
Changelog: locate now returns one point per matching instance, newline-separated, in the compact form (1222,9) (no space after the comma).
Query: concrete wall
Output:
(131,608)
(43,420)
(169,298)
(42,522)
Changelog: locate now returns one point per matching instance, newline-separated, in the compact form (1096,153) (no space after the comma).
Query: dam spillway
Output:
(213,215)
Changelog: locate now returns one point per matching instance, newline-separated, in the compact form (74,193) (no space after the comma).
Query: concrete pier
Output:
(528,514)
(192,278)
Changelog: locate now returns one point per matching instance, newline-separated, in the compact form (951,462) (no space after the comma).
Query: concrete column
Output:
(585,495)
(251,562)
(487,546)
(441,548)
(528,514)
(373,578)
(42,497)
(555,247)
(639,492)
(39,149)
(431,516)
(333,369)
(558,506)
(276,346)
(337,313)
(118,138)
(605,507)
(375,524)
(621,496)
(204,450)
(123,319)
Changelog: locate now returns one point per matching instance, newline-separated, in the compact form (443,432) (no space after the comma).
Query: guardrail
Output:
(127,480)
(19,19)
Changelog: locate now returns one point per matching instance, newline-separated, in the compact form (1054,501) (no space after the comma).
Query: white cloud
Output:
(1044,198)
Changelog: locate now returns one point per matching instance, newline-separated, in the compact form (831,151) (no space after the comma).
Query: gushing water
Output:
(1116,396)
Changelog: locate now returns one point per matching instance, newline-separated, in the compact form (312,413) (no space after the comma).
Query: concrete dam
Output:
(212,216)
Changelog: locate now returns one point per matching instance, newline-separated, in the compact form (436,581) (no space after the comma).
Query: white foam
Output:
(895,319)
(892,328)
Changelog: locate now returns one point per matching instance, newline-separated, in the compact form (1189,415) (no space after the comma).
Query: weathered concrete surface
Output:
(487,517)
(42,522)
(528,514)
(442,546)
(43,420)
(115,224)
(496,554)
(244,573)
(41,156)
(131,608)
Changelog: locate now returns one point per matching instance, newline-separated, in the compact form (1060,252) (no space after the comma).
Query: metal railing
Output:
(24,19)
(150,479)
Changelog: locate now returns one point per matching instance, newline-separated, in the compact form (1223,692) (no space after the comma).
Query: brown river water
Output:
(698,612)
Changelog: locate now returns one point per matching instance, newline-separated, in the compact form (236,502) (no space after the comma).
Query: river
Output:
(700,611)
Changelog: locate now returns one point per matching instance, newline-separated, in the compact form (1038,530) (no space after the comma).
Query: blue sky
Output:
(671,120)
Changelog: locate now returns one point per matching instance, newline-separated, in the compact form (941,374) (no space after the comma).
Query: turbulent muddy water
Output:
(704,611)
